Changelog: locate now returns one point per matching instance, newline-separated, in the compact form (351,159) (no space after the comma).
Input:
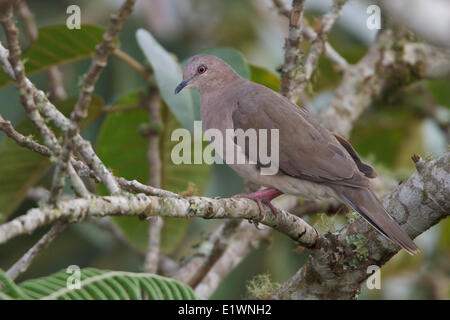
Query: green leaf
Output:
(265,77)
(168,75)
(58,45)
(390,135)
(21,168)
(439,89)
(233,57)
(11,290)
(99,285)
(124,150)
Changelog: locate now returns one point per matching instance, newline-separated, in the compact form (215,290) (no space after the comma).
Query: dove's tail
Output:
(366,203)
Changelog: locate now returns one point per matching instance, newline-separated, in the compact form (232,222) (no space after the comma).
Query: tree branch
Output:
(239,246)
(338,267)
(318,44)
(22,265)
(80,111)
(57,91)
(206,254)
(391,62)
(153,104)
(338,61)
(26,92)
(292,54)
(294,76)
(132,63)
(150,206)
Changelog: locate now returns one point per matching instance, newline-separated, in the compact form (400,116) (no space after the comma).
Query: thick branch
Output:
(292,55)
(150,206)
(21,140)
(4,61)
(339,267)
(339,62)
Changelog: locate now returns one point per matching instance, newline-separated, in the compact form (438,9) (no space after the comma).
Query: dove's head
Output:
(205,72)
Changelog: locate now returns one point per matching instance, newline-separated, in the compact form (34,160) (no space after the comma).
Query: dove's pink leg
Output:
(263,196)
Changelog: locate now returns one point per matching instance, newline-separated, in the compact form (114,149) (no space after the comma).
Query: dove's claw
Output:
(262,196)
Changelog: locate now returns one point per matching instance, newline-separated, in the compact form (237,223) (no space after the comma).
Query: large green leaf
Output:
(391,134)
(167,74)
(265,77)
(123,149)
(21,168)
(97,284)
(233,57)
(58,45)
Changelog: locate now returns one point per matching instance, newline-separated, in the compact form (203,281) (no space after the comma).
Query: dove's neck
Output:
(217,106)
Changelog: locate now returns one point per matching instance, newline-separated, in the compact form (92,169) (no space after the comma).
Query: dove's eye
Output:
(201,69)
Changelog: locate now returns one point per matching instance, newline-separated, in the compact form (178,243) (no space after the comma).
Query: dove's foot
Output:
(263,196)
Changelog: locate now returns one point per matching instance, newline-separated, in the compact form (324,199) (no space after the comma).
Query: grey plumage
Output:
(313,162)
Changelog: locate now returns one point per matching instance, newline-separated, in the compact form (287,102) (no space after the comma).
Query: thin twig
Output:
(282,8)
(135,186)
(125,57)
(80,111)
(318,44)
(23,263)
(26,98)
(38,194)
(310,35)
(29,143)
(26,90)
(206,254)
(56,84)
(99,170)
(110,109)
(108,225)
(338,61)
(29,24)
(239,246)
(153,103)
(21,140)
(4,61)
(57,91)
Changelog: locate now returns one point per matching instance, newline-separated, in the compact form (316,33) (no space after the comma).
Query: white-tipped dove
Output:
(312,162)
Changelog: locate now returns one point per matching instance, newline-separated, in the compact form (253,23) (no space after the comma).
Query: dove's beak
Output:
(182,84)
